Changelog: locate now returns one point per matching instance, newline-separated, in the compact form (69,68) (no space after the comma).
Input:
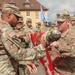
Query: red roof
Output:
(34,5)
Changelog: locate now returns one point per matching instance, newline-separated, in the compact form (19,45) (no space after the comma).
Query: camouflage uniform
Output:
(65,63)
(64,56)
(11,46)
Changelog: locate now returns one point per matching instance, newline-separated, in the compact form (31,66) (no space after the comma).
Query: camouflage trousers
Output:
(6,68)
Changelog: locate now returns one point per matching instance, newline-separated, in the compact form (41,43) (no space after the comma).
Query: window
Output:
(28,14)
(27,5)
(36,15)
(12,2)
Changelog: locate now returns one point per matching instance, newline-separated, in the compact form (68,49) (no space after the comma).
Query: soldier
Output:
(11,45)
(53,24)
(38,27)
(19,24)
(45,27)
(28,27)
(25,43)
(64,61)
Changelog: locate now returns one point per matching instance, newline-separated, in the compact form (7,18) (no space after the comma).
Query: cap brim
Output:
(62,20)
(20,21)
(19,15)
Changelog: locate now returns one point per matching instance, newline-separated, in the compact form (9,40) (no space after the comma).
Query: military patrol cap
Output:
(62,16)
(29,20)
(66,14)
(11,9)
(20,20)
(52,23)
(39,23)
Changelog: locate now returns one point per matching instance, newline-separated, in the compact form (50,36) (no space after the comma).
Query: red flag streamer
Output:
(46,61)
(33,38)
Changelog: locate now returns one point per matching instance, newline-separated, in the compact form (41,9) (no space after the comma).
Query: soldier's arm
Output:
(63,48)
(19,53)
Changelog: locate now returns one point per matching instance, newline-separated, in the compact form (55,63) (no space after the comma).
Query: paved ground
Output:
(40,69)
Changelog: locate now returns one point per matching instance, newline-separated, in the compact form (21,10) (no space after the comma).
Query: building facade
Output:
(28,8)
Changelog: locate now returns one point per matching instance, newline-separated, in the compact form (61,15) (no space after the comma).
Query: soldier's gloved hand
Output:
(31,67)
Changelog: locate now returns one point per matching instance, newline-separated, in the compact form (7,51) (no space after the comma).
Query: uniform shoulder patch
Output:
(11,35)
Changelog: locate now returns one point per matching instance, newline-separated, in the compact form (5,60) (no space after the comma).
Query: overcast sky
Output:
(56,6)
